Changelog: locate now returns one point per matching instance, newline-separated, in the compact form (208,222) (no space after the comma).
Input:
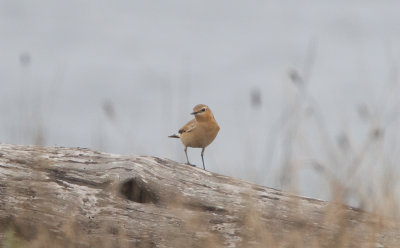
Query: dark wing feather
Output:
(188,127)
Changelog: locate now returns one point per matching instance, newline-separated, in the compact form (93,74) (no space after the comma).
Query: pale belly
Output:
(200,137)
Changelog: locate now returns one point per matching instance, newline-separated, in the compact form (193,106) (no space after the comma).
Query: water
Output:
(121,76)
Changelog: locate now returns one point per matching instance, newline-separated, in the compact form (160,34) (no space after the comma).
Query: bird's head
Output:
(202,112)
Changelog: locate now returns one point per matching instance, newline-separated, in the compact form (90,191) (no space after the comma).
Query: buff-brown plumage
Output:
(200,131)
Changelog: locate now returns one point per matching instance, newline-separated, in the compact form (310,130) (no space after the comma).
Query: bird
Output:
(199,132)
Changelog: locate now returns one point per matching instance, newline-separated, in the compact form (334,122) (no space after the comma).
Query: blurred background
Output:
(306,92)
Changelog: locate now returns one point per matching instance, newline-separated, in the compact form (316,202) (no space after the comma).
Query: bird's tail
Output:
(174,136)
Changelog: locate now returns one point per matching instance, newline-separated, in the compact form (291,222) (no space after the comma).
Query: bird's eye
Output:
(203,109)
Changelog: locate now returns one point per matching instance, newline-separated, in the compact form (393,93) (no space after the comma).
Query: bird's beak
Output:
(193,113)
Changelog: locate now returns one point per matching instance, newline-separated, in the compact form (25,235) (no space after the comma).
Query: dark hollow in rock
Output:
(135,190)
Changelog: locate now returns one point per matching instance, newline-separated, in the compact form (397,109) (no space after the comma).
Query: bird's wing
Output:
(188,127)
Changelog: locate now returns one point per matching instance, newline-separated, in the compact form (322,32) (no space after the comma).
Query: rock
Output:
(76,197)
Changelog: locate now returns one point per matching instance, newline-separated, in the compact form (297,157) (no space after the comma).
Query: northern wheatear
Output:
(200,131)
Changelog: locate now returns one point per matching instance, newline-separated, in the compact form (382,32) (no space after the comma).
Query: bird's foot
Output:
(193,165)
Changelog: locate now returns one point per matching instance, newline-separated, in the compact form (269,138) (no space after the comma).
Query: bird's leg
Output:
(187,156)
(202,157)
